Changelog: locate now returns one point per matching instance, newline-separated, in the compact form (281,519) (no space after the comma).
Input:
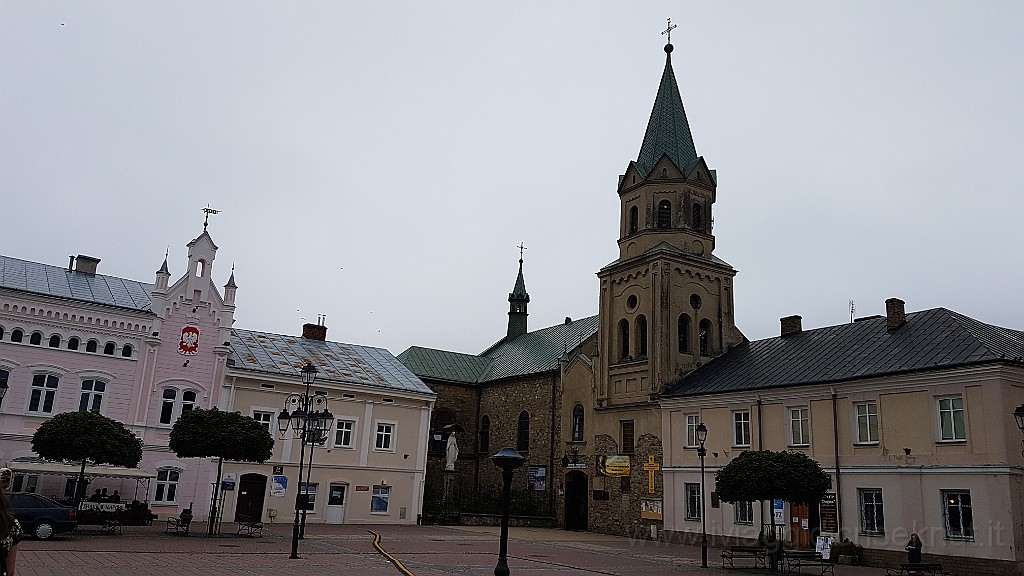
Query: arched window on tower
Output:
(641,336)
(624,339)
(577,423)
(705,337)
(523,435)
(698,219)
(664,214)
(634,220)
(684,333)
(73,343)
(485,434)
(55,341)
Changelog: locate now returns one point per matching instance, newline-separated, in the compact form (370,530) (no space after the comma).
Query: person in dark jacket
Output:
(914,549)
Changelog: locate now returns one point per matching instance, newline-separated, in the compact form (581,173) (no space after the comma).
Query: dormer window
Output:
(664,214)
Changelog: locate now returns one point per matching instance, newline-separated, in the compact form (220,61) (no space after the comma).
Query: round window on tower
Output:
(631,303)
(695,301)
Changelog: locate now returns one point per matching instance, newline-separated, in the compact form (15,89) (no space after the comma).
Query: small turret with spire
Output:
(517,302)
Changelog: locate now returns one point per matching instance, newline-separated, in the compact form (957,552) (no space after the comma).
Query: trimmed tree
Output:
(212,433)
(84,436)
(767,475)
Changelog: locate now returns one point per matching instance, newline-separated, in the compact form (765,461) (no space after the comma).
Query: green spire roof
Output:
(668,132)
(519,292)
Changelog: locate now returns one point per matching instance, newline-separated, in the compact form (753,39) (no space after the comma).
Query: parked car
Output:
(41,517)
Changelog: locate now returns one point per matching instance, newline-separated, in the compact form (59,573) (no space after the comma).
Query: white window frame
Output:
(693,502)
(692,421)
(178,403)
(388,432)
(264,417)
(870,418)
(169,486)
(800,426)
(350,429)
(91,395)
(46,392)
(871,498)
(949,413)
(743,512)
(948,502)
(741,428)
(381,495)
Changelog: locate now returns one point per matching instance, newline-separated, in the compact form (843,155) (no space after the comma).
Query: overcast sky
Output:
(379,162)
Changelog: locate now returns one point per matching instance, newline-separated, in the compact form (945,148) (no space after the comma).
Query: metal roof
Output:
(930,339)
(59,282)
(444,365)
(668,131)
(349,363)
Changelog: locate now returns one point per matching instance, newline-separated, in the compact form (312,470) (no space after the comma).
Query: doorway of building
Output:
(252,488)
(576,497)
(804,524)
(335,513)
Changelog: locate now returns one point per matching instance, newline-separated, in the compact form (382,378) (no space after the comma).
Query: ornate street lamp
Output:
(702,436)
(508,460)
(308,419)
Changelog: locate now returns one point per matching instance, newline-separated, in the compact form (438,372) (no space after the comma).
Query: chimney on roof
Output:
(895,314)
(568,320)
(316,331)
(791,325)
(86,264)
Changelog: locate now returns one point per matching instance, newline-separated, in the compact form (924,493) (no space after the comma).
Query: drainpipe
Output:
(760,447)
(839,485)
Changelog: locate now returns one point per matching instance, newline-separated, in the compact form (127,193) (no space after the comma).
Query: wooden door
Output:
(800,525)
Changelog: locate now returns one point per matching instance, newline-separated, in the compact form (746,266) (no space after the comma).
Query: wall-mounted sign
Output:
(650,508)
(537,478)
(279,486)
(829,513)
(189,344)
(278,469)
(616,465)
(228,482)
(362,488)
(600,494)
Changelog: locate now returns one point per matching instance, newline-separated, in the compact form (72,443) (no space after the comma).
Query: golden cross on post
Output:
(208,211)
(668,31)
(521,248)
(651,468)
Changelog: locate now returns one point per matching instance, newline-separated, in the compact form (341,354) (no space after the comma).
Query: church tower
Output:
(517,301)
(666,303)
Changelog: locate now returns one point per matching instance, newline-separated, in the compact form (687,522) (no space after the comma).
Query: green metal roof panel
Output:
(335,361)
(536,351)
(668,131)
(435,364)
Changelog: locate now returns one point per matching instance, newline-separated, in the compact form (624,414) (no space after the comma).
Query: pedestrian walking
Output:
(10,535)
(914,549)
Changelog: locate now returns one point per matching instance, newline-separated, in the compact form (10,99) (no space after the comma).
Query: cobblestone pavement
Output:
(423,550)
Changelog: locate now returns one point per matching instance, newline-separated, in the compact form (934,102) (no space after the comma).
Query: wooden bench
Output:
(178,525)
(798,559)
(249,528)
(733,553)
(919,568)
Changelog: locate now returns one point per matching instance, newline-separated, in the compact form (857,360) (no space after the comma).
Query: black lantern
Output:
(702,436)
(508,459)
(1018,415)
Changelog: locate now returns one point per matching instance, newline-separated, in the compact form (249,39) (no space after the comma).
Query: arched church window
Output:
(664,214)
(200,268)
(17,335)
(126,351)
(577,423)
(36,339)
(55,341)
(624,338)
(641,336)
(698,220)
(108,349)
(523,436)
(634,220)
(91,346)
(684,333)
(73,343)
(485,434)
(705,337)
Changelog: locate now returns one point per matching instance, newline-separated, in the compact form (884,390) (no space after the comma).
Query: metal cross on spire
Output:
(668,31)
(521,248)
(208,211)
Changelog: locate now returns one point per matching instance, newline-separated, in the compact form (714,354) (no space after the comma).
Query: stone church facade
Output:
(587,389)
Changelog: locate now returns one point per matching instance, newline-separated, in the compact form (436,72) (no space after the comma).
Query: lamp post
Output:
(702,436)
(308,418)
(1018,415)
(508,460)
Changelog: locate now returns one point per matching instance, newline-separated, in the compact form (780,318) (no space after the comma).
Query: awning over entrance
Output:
(60,469)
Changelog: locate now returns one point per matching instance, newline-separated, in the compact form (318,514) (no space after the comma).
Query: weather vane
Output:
(668,31)
(208,211)
(521,248)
